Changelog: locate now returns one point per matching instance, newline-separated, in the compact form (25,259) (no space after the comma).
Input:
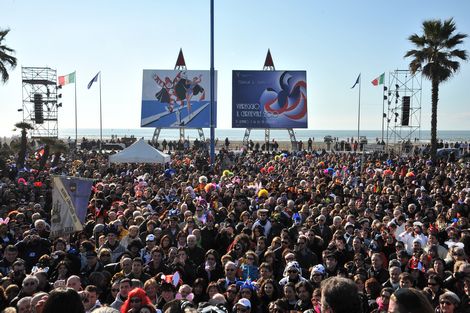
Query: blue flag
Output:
(94,80)
(70,197)
(357,81)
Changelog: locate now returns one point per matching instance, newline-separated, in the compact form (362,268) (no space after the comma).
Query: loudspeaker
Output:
(38,112)
(405,111)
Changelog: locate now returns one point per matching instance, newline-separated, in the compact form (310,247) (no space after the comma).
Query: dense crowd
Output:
(257,232)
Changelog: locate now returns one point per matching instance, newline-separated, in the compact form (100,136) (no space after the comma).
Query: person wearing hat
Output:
(449,302)
(317,274)
(92,264)
(167,293)
(146,252)
(113,244)
(349,231)
(263,221)
(243,306)
(292,274)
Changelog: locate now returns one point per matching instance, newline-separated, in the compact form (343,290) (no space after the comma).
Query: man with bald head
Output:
(74,282)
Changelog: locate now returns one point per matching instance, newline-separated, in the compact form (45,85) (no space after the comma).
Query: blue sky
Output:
(332,40)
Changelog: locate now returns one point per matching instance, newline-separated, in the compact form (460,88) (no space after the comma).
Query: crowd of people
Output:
(256,232)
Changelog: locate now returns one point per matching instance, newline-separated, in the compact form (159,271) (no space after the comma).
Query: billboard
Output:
(175,98)
(269,99)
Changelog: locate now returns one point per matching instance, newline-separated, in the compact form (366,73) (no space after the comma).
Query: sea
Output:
(259,134)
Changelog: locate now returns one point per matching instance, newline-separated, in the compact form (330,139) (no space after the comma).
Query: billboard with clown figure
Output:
(176,98)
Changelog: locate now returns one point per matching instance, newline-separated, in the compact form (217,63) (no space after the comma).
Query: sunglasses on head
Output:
(136,300)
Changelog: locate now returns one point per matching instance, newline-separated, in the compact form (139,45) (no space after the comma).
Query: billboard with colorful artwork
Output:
(269,99)
(175,98)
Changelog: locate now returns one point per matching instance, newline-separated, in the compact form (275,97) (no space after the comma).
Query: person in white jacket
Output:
(411,234)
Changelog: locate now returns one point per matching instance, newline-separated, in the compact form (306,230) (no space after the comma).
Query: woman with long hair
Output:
(61,271)
(151,287)
(199,288)
(289,297)
(136,299)
(211,269)
(267,293)
(165,244)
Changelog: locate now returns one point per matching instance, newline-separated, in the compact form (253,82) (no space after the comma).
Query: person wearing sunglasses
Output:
(384,299)
(434,288)
(136,299)
(448,303)
(292,274)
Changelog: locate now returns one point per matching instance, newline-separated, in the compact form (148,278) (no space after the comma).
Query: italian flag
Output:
(67,79)
(379,80)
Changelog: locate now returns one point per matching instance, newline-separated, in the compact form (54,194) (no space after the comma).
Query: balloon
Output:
(225,173)
(277,158)
(270,169)
(169,172)
(208,188)
(263,193)
(262,170)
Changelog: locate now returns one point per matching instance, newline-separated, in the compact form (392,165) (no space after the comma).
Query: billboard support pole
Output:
(212,87)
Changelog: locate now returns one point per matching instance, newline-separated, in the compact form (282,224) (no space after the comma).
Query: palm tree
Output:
(24,142)
(436,56)
(6,59)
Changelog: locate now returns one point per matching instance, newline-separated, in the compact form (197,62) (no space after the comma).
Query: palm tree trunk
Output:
(22,153)
(435,99)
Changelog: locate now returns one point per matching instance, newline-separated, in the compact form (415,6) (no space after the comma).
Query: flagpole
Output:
(383,111)
(101,119)
(359,113)
(212,84)
(76,132)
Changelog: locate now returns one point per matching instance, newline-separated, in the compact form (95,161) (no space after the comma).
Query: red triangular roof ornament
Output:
(180,61)
(269,60)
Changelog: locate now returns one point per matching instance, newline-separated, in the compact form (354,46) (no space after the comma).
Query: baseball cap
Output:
(244,302)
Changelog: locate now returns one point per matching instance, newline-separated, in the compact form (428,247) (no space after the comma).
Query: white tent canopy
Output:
(140,152)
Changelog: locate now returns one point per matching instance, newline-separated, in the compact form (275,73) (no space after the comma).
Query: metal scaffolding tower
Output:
(403,107)
(40,106)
